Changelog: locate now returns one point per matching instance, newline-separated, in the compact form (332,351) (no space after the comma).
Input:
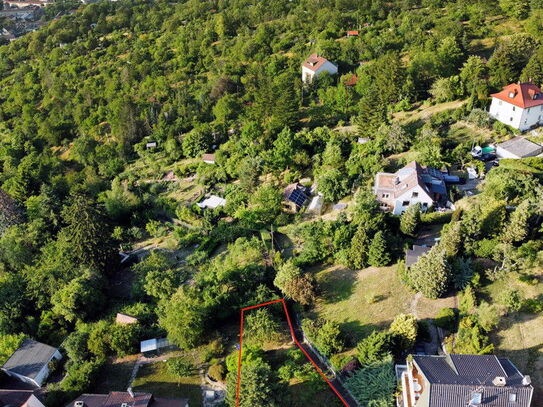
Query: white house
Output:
(30,363)
(518,147)
(314,66)
(408,186)
(520,105)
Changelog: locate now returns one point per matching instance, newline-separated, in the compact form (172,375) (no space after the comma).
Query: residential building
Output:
(314,66)
(30,363)
(26,3)
(464,381)
(519,105)
(208,158)
(126,399)
(154,345)
(408,186)
(19,398)
(412,255)
(124,319)
(518,147)
(212,202)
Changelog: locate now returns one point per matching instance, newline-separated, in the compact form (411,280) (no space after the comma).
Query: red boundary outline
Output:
(282,300)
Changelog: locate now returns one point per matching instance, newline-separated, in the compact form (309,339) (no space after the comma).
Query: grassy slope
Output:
(347,299)
(520,335)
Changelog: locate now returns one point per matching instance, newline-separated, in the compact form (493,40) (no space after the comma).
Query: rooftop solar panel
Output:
(298,197)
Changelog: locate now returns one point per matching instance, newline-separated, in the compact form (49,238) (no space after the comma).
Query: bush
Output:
(217,372)
(446,319)
(435,218)
(511,299)
(532,305)
(339,360)
(375,347)
(404,328)
(179,367)
(485,248)
(325,335)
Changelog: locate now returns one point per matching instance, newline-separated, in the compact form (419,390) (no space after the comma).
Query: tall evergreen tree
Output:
(430,274)
(378,254)
(88,234)
(410,220)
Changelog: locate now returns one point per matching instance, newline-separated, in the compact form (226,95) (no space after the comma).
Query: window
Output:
(514,108)
(385,196)
(415,195)
(510,119)
(405,203)
(500,103)
(512,397)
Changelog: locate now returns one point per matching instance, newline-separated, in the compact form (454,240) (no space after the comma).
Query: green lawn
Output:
(369,299)
(154,378)
(520,335)
(115,375)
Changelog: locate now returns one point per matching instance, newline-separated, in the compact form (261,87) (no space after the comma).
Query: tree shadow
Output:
(337,285)
(354,331)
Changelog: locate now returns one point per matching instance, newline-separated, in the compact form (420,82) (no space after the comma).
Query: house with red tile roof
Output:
(314,65)
(519,105)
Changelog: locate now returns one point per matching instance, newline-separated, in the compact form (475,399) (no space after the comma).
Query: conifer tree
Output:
(358,252)
(410,220)
(378,251)
(430,274)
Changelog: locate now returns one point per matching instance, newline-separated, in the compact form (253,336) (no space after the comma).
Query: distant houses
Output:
(212,202)
(316,65)
(208,158)
(410,185)
(126,399)
(30,363)
(519,105)
(295,196)
(518,147)
(463,381)
(124,319)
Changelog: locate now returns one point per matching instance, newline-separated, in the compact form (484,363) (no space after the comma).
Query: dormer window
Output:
(511,95)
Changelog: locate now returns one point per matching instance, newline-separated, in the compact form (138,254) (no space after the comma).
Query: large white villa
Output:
(519,105)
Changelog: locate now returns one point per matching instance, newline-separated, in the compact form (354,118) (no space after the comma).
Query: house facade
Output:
(462,381)
(408,186)
(30,363)
(519,105)
(314,66)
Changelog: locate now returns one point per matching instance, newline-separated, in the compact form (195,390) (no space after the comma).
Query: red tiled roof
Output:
(353,79)
(352,32)
(523,95)
(314,62)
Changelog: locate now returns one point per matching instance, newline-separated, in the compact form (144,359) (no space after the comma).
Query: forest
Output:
(105,115)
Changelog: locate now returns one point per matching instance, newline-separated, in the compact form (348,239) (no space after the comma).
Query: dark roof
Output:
(14,398)
(521,147)
(117,398)
(30,358)
(296,193)
(412,255)
(454,378)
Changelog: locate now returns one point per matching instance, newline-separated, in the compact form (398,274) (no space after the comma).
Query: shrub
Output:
(435,218)
(217,372)
(373,348)
(446,319)
(404,328)
(325,335)
(511,299)
(532,305)
(179,367)
(485,248)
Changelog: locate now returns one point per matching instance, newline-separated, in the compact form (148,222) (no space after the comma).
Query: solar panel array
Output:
(298,197)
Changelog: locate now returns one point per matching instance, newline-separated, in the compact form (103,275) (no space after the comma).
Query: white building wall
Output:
(506,113)
(412,197)
(531,116)
(503,153)
(308,74)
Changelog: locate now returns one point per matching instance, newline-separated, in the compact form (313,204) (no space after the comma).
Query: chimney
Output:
(526,380)
(129,391)
(499,381)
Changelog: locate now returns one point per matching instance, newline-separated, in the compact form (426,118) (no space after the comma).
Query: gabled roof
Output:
(521,147)
(117,398)
(402,181)
(523,95)
(15,398)
(314,62)
(454,378)
(30,358)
